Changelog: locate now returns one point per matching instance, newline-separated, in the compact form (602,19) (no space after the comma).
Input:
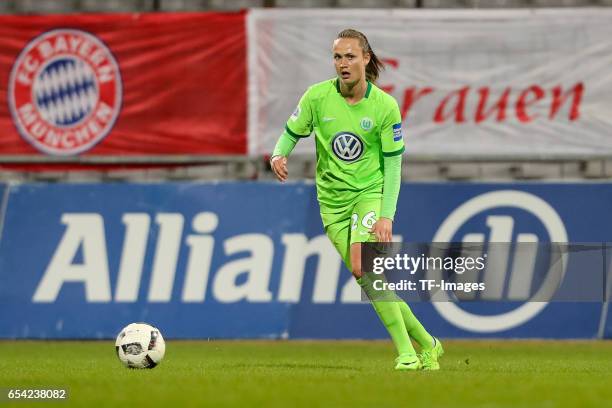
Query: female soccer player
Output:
(359,155)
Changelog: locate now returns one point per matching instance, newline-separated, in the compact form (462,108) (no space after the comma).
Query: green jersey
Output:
(351,141)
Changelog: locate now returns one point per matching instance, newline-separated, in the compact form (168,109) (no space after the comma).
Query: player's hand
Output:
(383,229)
(279,167)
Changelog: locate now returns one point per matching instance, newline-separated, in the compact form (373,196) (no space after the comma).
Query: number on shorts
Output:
(369,219)
(354,219)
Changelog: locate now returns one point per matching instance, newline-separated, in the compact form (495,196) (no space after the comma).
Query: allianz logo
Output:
(246,278)
(510,267)
(501,230)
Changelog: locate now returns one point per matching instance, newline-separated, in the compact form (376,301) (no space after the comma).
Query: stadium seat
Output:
(12,176)
(233,4)
(497,3)
(561,3)
(116,5)
(496,170)
(443,3)
(607,3)
(607,168)
(209,172)
(6,7)
(406,3)
(367,3)
(420,171)
(183,5)
(305,3)
(536,170)
(571,169)
(459,171)
(593,169)
(46,6)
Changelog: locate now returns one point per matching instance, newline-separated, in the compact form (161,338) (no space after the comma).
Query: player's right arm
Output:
(299,125)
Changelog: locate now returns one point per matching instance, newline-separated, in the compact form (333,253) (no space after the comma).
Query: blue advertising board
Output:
(250,259)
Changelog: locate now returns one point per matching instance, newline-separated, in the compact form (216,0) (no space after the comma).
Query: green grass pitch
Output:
(315,374)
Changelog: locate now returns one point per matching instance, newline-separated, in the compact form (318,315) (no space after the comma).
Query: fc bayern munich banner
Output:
(123,84)
(468,82)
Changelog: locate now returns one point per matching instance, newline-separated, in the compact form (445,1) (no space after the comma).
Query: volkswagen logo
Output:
(347,146)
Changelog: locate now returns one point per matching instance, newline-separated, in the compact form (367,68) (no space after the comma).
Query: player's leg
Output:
(387,307)
(338,230)
(415,328)
(431,348)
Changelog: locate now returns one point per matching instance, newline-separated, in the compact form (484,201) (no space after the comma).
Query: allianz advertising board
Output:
(251,260)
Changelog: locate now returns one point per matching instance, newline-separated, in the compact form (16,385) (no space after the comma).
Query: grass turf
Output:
(316,374)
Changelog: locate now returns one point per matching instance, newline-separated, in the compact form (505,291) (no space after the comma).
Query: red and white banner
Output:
(468,82)
(123,84)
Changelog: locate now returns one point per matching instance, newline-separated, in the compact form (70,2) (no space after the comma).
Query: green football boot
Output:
(430,358)
(407,362)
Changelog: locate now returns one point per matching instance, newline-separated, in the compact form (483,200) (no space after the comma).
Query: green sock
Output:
(415,328)
(390,314)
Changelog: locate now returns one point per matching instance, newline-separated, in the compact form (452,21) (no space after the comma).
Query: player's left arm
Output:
(392,144)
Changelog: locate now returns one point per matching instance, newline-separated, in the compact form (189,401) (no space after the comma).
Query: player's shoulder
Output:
(380,96)
(321,89)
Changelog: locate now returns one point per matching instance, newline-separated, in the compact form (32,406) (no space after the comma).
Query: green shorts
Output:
(351,225)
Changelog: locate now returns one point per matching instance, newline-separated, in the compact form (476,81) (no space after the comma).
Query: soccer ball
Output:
(140,345)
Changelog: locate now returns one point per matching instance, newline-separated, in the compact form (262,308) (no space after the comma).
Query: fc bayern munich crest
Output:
(65,92)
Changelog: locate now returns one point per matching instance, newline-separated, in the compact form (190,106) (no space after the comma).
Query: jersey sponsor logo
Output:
(65,92)
(397,132)
(366,124)
(504,213)
(347,146)
(328,119)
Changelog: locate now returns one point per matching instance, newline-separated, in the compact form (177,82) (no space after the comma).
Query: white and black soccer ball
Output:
(140,345)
